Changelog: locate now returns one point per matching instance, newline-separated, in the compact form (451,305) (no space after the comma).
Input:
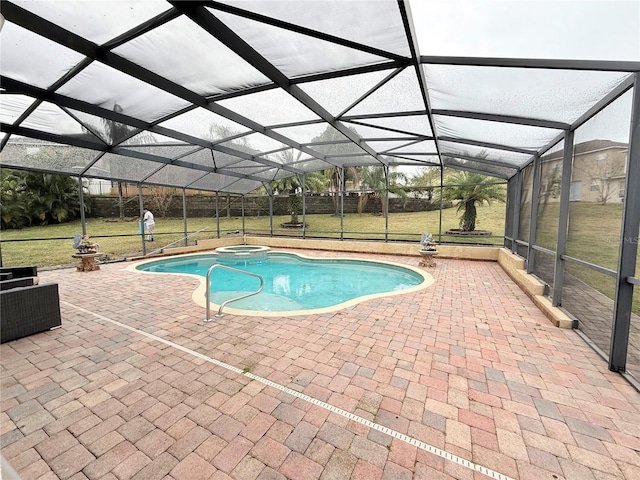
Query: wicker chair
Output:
(13,277)
(20,272)
(29,310)
(16,282)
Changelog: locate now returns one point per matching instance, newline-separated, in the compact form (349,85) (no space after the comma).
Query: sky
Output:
(578,29)
(558,29)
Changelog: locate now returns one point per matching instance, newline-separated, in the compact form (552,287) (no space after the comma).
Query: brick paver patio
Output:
(136,386)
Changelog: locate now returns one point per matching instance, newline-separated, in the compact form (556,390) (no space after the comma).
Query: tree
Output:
(160,199)
(313,182)
(115,134)
(335,186)
(605,176)
(53,198)
(14,209)
(291,186)
(471,190)
(425,180)
(38,198)
(373,179)
(332,142)
(549,186)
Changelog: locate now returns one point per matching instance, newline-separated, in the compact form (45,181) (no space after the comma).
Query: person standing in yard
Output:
(149,223)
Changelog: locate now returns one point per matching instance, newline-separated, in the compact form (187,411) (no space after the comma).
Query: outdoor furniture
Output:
(87,261)
(29,310)
(20,272)
(16,282)
(13,277)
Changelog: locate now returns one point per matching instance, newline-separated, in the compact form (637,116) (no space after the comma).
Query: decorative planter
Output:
(456,232)
(427,258)
(87,262)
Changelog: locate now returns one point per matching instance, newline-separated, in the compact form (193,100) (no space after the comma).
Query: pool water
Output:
(292,282)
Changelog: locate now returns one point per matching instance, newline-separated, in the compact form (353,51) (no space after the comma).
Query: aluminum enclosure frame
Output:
(253,168)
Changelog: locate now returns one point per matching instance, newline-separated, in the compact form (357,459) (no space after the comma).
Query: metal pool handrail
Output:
(208,289)
(177,241)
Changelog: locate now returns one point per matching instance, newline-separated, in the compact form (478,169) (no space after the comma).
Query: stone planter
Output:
(427,258)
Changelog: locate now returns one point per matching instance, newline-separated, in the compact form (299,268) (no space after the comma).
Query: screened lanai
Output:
(226,97)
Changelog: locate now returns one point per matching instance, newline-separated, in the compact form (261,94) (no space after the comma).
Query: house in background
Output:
(598,173)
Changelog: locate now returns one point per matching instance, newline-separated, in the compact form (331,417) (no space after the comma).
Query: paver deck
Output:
(459,381)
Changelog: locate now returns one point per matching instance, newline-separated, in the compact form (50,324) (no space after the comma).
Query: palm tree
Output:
(12,205)
(332,142)
(471,190)
(51,198)
(373,178)
(116,133)
(313,182)
(426,180)
(332,178)
(39,198)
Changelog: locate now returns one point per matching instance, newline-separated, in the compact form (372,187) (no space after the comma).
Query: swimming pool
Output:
(293,284)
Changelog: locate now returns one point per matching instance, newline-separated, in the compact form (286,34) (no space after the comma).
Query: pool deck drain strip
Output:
(363,421)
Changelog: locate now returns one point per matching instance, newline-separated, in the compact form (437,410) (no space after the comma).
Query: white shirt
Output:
(148,218)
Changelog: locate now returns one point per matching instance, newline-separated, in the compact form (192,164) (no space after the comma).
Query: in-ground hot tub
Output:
(242,251)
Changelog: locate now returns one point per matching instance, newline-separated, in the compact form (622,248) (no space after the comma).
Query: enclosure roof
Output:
(230,95)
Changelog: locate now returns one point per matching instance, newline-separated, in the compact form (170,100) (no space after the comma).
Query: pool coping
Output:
(198,295)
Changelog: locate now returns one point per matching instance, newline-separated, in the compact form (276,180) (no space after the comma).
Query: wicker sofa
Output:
(27,307)
(20,272)
(16,282)
(12,277)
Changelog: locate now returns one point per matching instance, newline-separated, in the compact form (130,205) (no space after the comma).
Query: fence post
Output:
(218,213)
(83,221)
(141,223)
(184,216)
(627,256)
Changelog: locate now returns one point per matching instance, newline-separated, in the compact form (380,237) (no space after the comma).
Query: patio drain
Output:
(381,428)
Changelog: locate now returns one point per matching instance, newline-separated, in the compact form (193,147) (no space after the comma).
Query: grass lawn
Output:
(52,244)
(593,236)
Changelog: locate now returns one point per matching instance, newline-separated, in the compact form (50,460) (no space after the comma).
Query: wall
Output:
(513,265)
(204,206)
